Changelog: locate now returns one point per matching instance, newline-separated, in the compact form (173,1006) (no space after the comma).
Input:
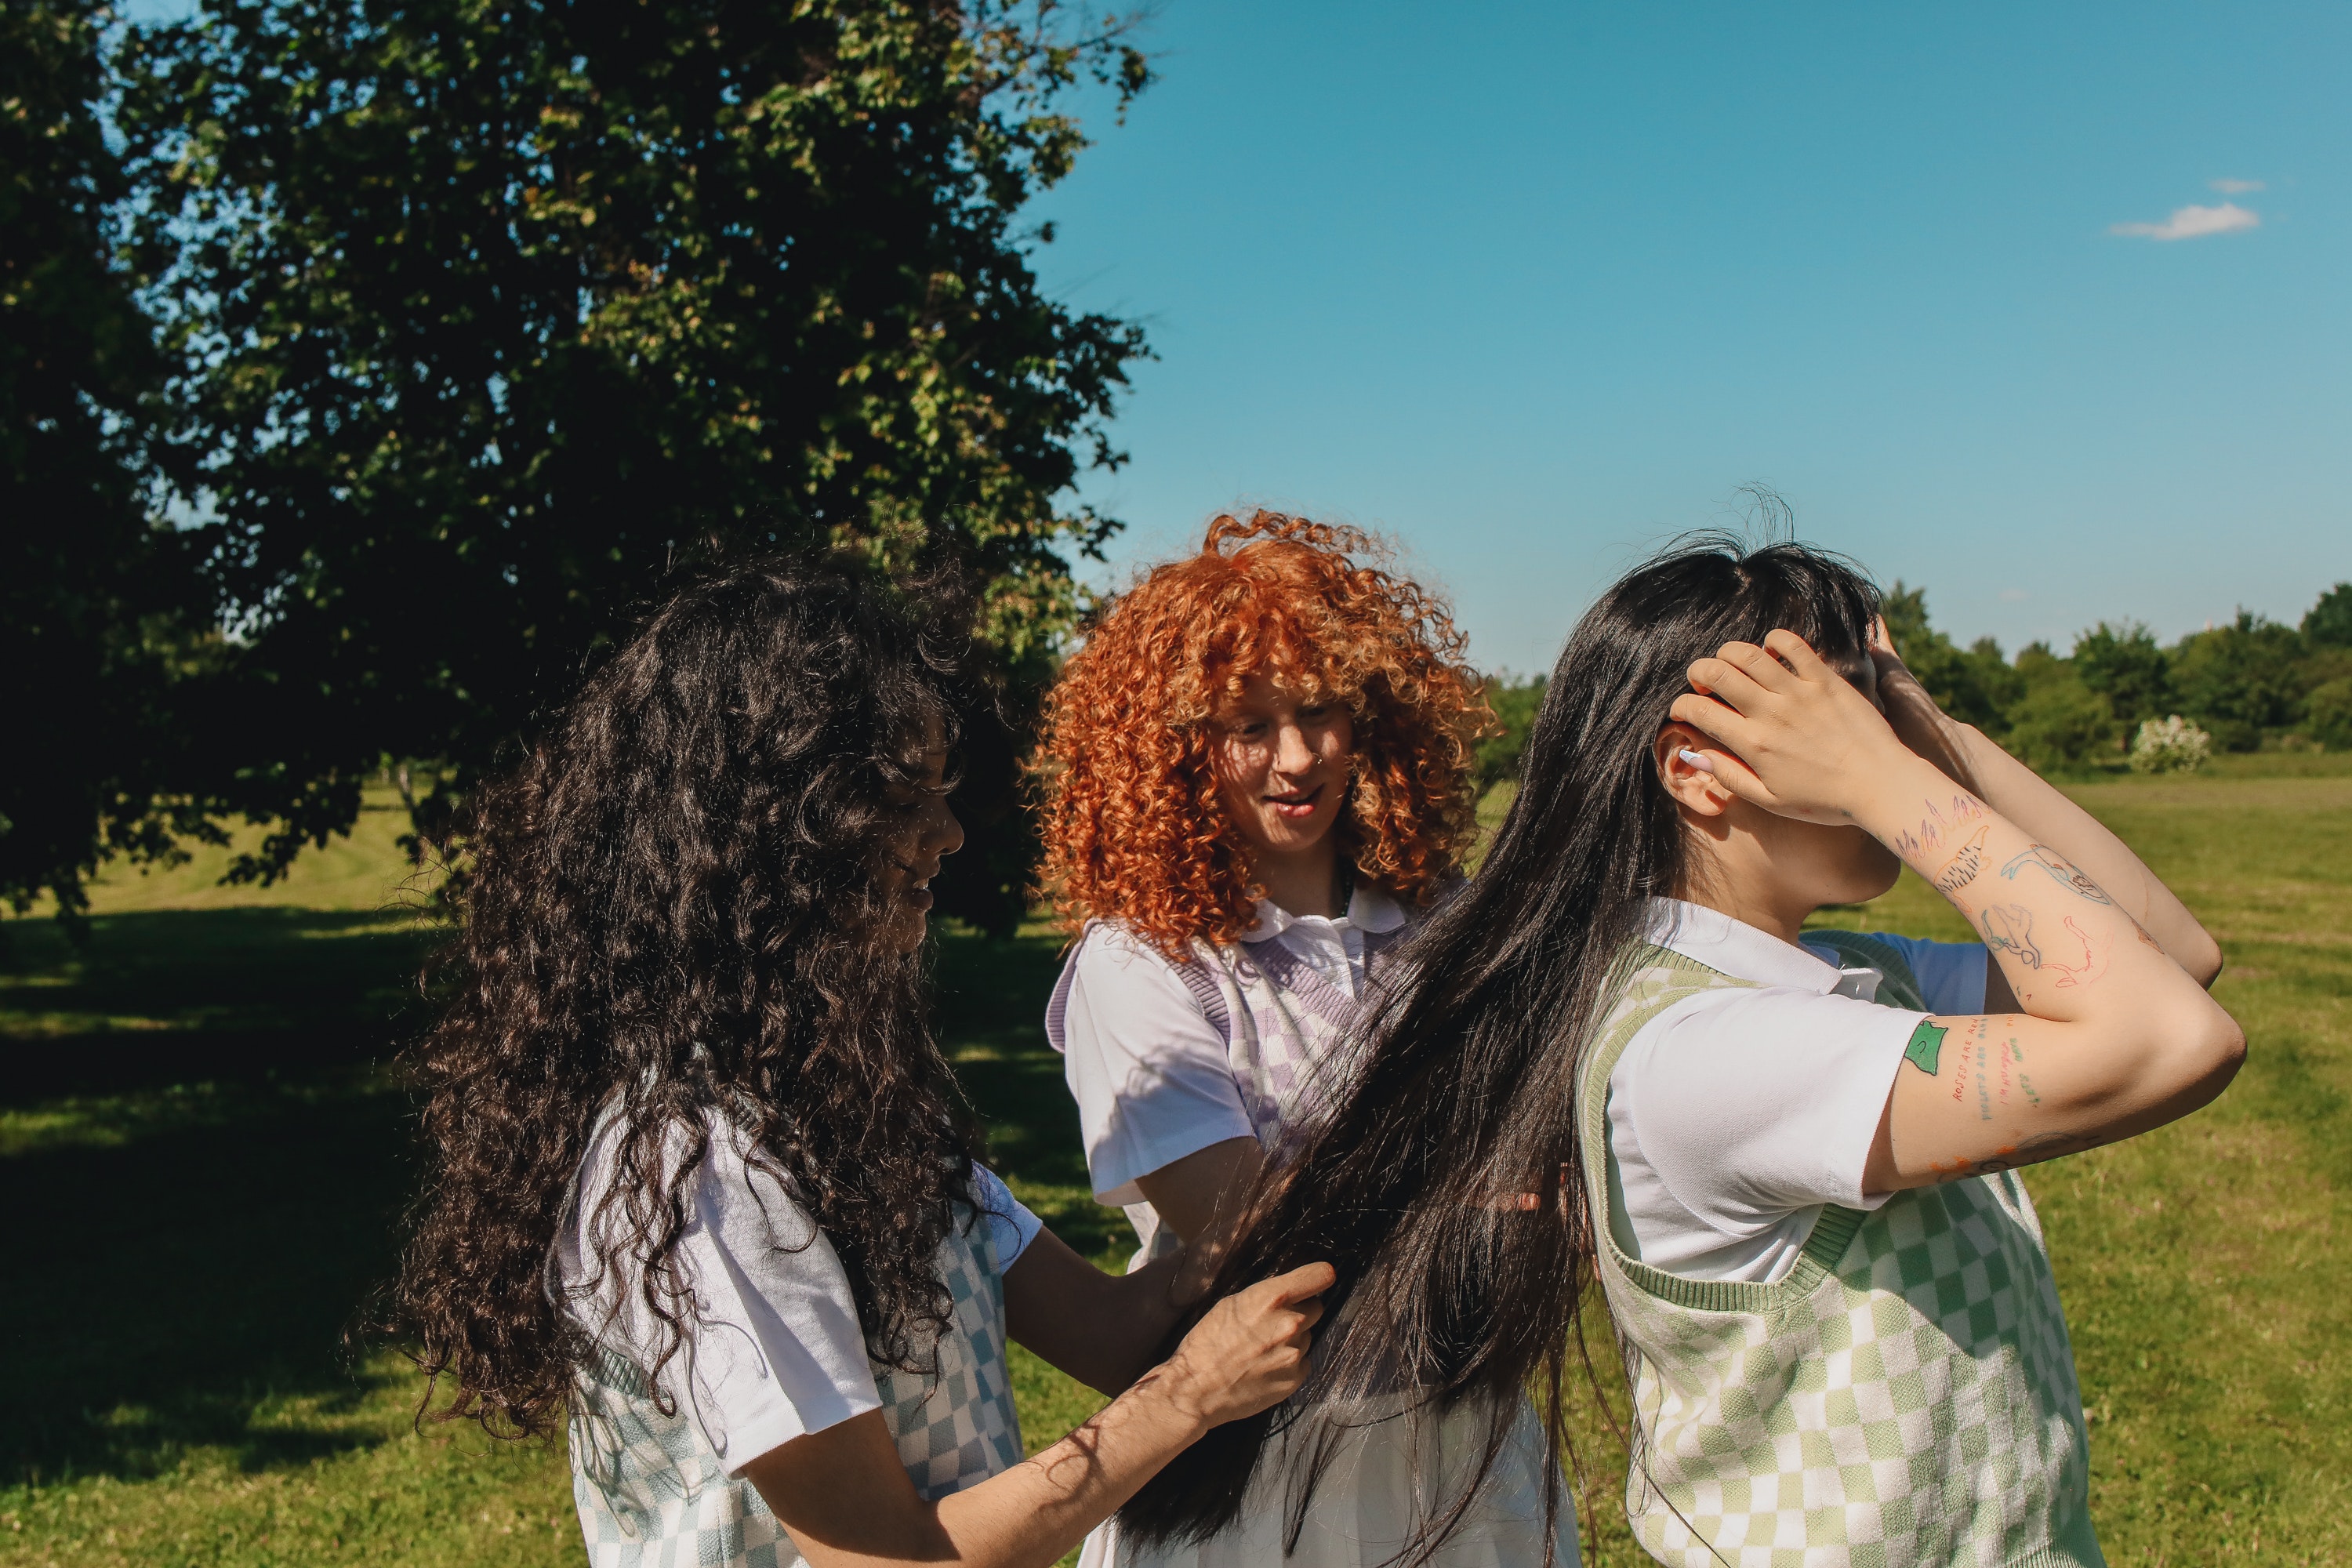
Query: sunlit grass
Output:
(212,1159)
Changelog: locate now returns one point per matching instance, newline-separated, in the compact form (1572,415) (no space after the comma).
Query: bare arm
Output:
(1105,1329)
(2114,1037)
(846,1501)
(1201,1196)
(2026,799)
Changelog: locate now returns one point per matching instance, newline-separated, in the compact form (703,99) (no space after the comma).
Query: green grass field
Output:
(208,1162)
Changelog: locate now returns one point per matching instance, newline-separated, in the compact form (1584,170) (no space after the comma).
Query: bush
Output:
(2059,724)
(2327,715)
(2171,745)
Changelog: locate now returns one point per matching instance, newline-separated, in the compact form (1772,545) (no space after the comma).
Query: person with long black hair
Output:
(1258,777)
(1788,1157)
(698,1180)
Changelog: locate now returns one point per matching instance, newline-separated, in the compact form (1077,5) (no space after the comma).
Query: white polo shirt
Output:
(1150,1072)
(1736,1115)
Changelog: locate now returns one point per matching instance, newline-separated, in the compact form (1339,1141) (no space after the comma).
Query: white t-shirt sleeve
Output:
(1149,1070)
(1951,973)
(1014,1226)
(781,1351)
(1750,1105)
(776,1349)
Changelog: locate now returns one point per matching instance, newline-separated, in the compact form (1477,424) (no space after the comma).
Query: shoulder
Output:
(1115,985)
(1114,948)
(1111,961)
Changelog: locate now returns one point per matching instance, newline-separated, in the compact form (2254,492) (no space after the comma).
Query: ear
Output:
(1694,788)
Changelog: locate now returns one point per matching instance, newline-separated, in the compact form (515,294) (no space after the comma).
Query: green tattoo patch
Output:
(1926,1047)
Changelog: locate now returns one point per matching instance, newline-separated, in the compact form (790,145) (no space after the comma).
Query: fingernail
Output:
(1695,759)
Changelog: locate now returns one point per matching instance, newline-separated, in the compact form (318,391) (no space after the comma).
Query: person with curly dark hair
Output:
(698,1182)
(1258,779)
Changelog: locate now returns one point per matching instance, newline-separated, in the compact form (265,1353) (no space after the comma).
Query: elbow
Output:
(2204,963)
(2229,1054)
(2209,1059)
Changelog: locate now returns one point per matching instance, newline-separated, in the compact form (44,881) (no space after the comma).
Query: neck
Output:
(1302,881)
(1743,899)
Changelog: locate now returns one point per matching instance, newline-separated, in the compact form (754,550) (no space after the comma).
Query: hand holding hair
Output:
(1796,738)
(1248,1353)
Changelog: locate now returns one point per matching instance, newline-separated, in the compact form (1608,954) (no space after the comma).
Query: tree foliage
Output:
(481,317)
(2124,665)
(1514,701)
(1973,685)
(96,600)
(2238,680)
(2328,622)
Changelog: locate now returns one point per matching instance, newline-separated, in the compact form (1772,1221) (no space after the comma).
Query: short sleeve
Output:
(1752,1104)
(1149,1070)
(781,1351)
(774,1348)
(1951,974)
(1013,1225)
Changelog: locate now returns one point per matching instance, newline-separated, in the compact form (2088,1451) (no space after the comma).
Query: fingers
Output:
(1728,676)
(1881,639)
(1297,1285)
(1796,656)
(1716,721)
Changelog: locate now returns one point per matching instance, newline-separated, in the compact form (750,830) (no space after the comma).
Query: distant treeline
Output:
(2251,683)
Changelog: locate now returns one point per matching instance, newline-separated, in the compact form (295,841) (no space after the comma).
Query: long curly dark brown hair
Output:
(672,918)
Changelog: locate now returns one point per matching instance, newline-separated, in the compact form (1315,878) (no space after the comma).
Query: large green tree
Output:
(2124,665)
(97,603)
(485,314)
(2238,680)
(1975,684)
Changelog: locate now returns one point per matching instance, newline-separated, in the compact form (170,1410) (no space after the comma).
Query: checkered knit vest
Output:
(653,1491)
(1281,1023)
(1904,1398)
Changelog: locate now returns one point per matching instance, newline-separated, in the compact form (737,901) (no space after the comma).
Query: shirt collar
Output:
(1737,949)
(1373,910)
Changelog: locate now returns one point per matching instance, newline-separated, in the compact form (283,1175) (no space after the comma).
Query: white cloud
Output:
(2193,222)
(2238,187)
(2014,596)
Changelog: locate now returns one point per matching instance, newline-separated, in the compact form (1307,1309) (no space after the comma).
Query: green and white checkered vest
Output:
(1904,1398)
(653,1491)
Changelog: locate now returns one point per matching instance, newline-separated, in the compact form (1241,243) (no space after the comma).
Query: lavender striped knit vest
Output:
(1283,1024)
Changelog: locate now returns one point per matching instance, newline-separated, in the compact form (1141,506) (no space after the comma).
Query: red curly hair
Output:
(1134,831)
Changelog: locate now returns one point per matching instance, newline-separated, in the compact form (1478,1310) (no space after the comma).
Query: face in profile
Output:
(1281,761)
(924,832)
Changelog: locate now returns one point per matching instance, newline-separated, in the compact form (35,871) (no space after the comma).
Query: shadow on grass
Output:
(203,1206)
(178,996)
(189,1285)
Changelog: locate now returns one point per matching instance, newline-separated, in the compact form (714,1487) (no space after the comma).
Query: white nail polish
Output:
(1695,759)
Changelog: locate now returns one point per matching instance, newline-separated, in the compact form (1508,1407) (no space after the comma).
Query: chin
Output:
(1871,881)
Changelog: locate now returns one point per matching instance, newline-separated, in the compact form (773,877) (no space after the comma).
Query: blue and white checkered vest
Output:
(653,1491)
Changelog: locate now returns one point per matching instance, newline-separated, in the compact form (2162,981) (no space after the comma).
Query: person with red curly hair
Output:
(1258,773)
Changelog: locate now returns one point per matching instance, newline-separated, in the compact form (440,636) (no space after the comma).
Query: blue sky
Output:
(1532,287)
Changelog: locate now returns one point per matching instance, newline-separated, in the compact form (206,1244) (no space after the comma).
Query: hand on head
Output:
(1785,730)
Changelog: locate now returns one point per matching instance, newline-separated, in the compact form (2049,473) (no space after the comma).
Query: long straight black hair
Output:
(1451,1283)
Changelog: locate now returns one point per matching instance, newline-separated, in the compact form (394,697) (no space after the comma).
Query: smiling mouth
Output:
(1297,806)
